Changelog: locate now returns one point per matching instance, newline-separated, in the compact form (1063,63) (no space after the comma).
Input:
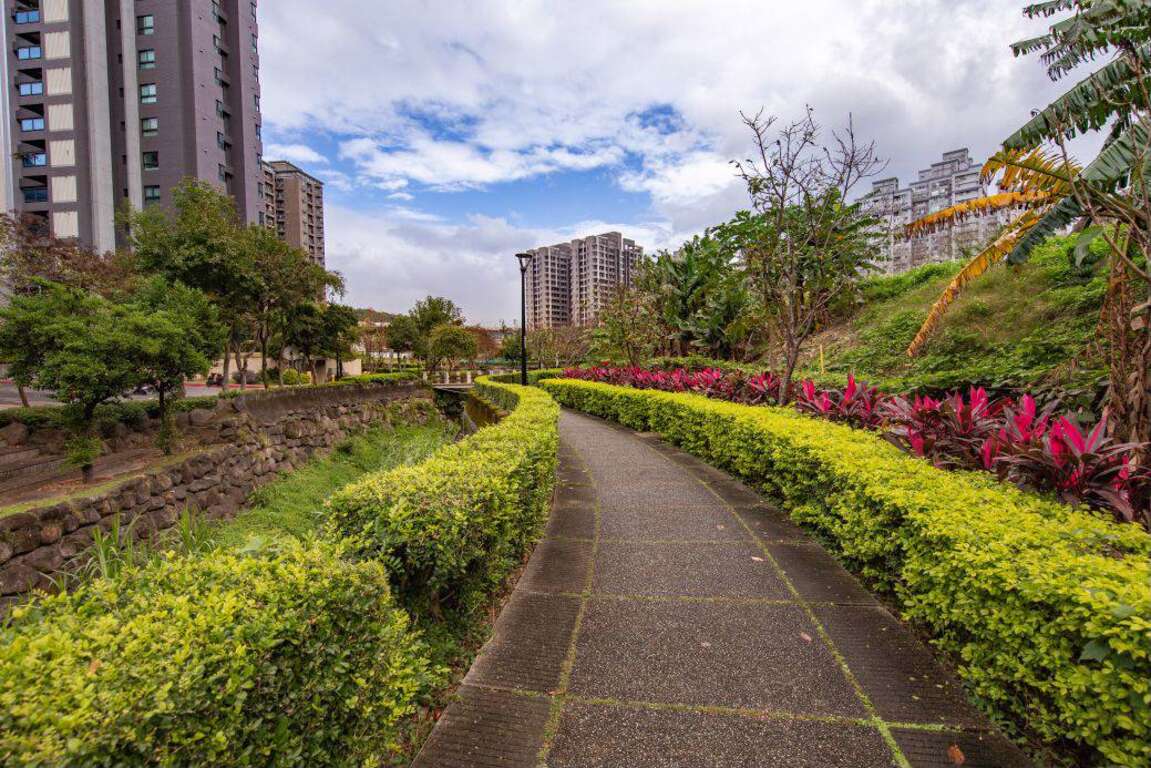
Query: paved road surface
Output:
(671,618)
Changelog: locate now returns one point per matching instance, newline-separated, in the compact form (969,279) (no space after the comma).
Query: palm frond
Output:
(1049,8)
(1090,104)
(978,207)
(987,258)
(1035,171)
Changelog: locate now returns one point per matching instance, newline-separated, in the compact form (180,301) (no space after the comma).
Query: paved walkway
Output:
(672,618)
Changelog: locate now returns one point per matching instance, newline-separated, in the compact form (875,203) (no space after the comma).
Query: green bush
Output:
(452,528)
(297,659)
(534,377)
(1046,610)
(380,378)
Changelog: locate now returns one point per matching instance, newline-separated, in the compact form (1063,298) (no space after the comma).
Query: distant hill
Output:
(375,315)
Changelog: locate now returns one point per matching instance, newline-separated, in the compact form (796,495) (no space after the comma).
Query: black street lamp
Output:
(525,260)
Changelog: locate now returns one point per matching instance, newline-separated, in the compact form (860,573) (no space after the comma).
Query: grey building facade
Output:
(953,180)
(293,207)
(118,101)
(571,283)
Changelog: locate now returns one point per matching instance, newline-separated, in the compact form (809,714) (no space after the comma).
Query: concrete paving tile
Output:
(558,566)
(486,728)
(697,570)
(672,522)
(818,576)
(530,644)
(770,524)
(638,494)
(899,675)
(594,736)
(572,518)
(925,749)
(731,655)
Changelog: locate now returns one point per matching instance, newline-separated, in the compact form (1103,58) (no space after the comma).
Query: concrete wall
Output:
(252,439)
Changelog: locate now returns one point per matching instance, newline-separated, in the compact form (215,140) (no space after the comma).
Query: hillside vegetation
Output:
(1032,326)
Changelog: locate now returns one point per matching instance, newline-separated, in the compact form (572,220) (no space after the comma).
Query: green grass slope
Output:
(1032,326)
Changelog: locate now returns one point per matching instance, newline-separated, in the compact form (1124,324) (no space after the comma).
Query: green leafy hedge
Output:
(127,412)
(380,378)
(296,659)
(1047,610)
(452,528)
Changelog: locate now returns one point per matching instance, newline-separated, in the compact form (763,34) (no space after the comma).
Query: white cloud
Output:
(468,94)
(294,153)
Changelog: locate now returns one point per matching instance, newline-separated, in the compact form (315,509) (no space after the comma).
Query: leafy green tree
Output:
(628,328)
(304,331)
(285,277)
(26,326)
(449,343)
(201,243)
(412,332)
(180,334)
(340,326)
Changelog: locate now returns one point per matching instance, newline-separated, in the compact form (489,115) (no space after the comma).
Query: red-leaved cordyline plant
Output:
(857,404)
(1016,441)
(1083,466)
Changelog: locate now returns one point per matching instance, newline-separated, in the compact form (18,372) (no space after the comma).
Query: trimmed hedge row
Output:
(452,528)
(1046,609)
(295,659)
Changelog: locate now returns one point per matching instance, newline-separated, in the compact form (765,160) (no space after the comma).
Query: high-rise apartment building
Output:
(549,287)
(953,180)
(121,100)
(571,283)
(294,207)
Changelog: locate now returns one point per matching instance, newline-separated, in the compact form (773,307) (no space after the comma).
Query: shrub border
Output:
(1046,610)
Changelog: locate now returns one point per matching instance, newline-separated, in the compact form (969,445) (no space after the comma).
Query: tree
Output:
(200,243)
(180,333)
(449,343)
(628,328)
(339,324)
(412,332)
(1112,191)
(510,344)
(285,277)
(27,326)
(803,244)
(304,331)
(30,253)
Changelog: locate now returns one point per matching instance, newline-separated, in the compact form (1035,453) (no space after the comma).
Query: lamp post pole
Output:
(525,260)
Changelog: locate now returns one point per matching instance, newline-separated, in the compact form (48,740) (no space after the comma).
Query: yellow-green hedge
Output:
(452,528)
(1046,609)
(293,659)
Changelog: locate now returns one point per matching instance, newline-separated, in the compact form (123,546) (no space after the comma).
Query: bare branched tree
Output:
(803,243)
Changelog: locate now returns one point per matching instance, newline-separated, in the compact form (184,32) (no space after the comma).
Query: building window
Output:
(28,17)
(221,140)
(36,160)
(36,194)
(259,131)
(150,126)
(152,193)
(148,93)
(146,25)
(147,58)
(151,161)
(222,172)
(29,52)
(257,101)
(32,124)
(32,89)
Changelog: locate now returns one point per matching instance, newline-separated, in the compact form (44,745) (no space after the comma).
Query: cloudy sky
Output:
(452,133)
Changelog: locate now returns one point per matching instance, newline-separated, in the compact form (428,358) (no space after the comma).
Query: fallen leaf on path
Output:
(757,559)
(806,637)
(956,755)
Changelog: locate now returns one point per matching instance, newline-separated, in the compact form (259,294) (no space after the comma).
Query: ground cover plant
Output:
(1058,453)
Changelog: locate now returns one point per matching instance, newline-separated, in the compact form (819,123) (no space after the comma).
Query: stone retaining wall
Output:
(255,437)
